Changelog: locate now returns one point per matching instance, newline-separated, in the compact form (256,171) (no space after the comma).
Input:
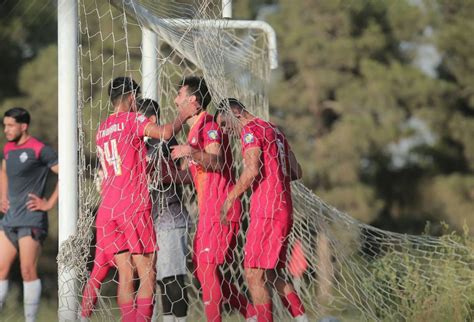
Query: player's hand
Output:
(4,205)
(36,203)
(180,151)
(224,210)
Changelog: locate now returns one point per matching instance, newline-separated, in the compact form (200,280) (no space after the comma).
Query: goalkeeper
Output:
(170,220)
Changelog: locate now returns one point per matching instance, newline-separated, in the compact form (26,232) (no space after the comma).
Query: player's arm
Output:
(252,165)
(4,205)
(295,168)
(166,131)
(210,158)
(38,203)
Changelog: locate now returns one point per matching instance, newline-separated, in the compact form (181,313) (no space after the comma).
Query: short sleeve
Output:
(48,156)
(250,139)
(211,133)
(140,122)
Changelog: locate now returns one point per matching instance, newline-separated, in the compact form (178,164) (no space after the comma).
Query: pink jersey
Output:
(122,154)
(212,187)
(271,191)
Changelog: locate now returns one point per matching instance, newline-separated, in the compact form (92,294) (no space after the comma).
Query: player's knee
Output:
(254,277)
(28,272)
(4,270)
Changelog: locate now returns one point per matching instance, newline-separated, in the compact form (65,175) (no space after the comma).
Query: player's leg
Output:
(174,298)
(145,266)
(262,249)
(29,249)
(141,241)
(8,253)
(230,292)
(166,301)
(236,299)
(99,273)
(125,289)
(260,294)
(209,278)
(278,279)
(287,294)
(171,272)
(210,249)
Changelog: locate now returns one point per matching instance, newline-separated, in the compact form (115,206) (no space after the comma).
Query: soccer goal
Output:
(340,267)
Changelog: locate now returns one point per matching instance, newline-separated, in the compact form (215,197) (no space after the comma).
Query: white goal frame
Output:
(68,88)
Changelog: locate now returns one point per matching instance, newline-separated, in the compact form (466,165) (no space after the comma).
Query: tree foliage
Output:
(375,134)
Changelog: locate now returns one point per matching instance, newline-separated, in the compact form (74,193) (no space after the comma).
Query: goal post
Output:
(68,150)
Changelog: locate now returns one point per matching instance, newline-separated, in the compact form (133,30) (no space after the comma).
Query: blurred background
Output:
(376,98)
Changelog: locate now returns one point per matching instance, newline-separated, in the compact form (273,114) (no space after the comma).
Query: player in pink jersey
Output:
(210,162)
(269,166)
(124,224)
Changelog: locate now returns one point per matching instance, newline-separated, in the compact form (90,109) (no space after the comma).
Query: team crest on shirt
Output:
(193,140)
(23,157)
(249,138)
(212,134)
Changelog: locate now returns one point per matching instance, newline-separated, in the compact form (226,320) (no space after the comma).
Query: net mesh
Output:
(338,266)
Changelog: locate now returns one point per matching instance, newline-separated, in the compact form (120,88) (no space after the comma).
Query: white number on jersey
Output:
(110,156)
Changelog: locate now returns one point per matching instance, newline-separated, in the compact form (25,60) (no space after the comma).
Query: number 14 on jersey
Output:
(109,157)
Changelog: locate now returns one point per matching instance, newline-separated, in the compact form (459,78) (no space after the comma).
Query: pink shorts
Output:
(133,233)
(214,243)
(267,243)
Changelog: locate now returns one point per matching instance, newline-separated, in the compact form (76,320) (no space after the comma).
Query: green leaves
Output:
(359,63)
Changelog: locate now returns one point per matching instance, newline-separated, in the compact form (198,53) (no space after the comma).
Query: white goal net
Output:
(339,266)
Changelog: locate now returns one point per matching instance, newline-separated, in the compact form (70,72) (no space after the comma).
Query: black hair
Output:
(148,107)
(19,114)
(232,103)
(197,86)
(121,86)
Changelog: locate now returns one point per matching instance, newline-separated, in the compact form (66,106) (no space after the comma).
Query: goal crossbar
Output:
(152,22)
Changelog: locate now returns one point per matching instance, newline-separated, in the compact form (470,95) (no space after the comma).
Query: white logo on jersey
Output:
(249,138)
(212,134)
(194,140)
(23,157)
(141,118)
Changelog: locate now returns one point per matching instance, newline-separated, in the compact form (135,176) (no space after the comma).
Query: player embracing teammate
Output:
(269,167)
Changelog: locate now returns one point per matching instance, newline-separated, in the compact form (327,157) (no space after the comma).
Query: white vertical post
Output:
(227,9)
(68,147)
(149,64)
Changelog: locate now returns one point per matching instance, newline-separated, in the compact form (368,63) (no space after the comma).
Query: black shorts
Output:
(15,233)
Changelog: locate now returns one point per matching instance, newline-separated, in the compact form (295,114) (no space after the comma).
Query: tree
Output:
(361,115)
(25,28)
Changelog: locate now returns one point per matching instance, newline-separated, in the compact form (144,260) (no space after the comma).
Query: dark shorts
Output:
(15,233)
